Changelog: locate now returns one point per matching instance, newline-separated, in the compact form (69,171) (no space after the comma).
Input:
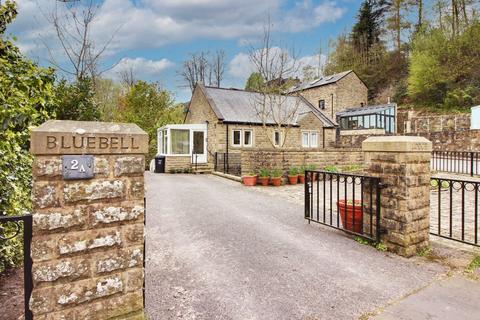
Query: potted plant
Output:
(351,215)
(264,176)
(250,179)
(293,175)
(312,167)
(276,177)
(301,175)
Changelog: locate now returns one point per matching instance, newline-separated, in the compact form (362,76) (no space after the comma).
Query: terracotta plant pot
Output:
(293,179)
(276,181)
(301,178)
(249,181)
(264,181)
(351,215)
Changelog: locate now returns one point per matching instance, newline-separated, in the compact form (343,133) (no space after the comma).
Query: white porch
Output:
(183,140)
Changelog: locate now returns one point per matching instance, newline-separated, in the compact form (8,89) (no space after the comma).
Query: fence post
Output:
(403,165)
(471,164)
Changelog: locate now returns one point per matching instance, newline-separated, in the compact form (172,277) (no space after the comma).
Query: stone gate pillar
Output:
(88,213)
(403,164)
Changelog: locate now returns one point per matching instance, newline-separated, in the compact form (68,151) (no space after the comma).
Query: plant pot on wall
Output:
(249,180)
(351,215)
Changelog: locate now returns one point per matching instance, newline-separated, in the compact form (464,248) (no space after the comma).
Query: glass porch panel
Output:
(180,141)
(198,142)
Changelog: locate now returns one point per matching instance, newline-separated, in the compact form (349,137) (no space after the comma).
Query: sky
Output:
(153,37)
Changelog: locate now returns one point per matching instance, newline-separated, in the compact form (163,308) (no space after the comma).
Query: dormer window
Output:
(321,104)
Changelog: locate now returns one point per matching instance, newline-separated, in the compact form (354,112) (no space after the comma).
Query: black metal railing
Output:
(347,202)
(454,209)
(21,225)
(229,163)
(463,162)
(195,160)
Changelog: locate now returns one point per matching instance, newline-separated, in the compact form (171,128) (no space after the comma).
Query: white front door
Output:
(199,150)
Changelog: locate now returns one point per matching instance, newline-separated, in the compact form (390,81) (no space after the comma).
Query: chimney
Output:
(388,100)
(361,104)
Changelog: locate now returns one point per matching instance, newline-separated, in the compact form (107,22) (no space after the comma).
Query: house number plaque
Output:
(77,167)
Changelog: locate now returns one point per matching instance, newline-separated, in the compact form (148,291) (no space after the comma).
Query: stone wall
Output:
(175,163)
(461,140)
(253,160)
(411,122)
(88,235)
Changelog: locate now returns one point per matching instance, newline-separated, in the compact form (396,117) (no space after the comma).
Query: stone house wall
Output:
(348,92)
(201,111)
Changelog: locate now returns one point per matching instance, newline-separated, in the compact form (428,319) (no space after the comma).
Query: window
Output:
(321,104)
(313,140)
(305,139)
(237,138)
(309,139)
(247,138)
(277,138)
(180,140)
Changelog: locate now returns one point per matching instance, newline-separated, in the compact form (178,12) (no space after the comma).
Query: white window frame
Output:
(307,145)
(251,138)
(233,138)
(280,138)
(309,133)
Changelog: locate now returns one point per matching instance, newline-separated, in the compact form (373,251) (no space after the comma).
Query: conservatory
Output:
(371,118)
(187,141)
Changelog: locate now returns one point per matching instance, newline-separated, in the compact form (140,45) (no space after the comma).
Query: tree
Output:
(203,67)
(106,98)
(255,82)
(444,72)
(398,10)
(27,100)
(275,65)
(150,107)
(367,30)
(72,22)
(76,101)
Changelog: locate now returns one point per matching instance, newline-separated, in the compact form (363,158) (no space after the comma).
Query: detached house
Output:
(222,122)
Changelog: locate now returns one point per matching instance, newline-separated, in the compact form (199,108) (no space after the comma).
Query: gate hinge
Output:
(382,185)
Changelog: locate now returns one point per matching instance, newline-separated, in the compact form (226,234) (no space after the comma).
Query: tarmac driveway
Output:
(219,250)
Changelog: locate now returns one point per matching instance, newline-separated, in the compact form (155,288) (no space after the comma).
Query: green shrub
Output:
(331,168)
(276,173)
(293,171)
(264,173)
(27,100)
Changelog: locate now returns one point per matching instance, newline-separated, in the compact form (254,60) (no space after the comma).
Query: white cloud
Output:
(141,67)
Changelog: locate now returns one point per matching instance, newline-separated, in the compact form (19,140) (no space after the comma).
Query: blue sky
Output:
(155,36)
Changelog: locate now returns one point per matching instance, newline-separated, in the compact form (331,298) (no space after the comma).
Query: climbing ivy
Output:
(26,100)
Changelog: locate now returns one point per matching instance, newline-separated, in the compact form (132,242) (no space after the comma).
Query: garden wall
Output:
(460,140)
(253,160)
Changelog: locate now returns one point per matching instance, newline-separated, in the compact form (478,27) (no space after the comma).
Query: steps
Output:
(201,168)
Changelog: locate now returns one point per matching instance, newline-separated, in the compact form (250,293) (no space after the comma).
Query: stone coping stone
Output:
(397,144)
(88,137)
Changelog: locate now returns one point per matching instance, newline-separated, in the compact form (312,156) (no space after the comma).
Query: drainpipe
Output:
(332,104)
(226,154)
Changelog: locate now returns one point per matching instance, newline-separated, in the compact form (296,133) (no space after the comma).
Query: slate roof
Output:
(357,111)
(239,106)
(319,82)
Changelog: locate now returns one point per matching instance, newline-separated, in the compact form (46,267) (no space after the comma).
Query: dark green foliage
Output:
(76,101)
(366,31)
(26,100)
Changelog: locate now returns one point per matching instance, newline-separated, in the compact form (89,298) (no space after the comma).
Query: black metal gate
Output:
(21,223)
(454,209)
(230,163)
(347,202)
